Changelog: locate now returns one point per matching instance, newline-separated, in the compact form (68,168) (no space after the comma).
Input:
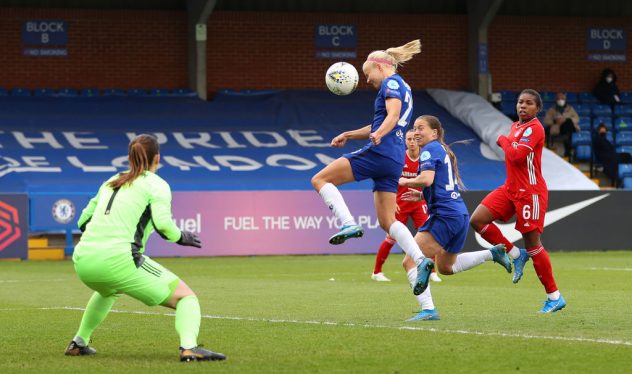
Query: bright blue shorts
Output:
(449,231)
(365,164)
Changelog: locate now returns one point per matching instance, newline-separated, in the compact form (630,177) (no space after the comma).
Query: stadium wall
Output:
(265,50)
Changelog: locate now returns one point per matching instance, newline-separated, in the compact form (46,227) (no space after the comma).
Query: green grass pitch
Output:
(323,314)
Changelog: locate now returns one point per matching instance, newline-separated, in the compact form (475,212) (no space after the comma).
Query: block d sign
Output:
(335,36)
(606,39)
(45,32)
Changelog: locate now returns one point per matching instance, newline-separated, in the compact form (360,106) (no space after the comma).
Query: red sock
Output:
(492,234)
(543,268)
(382,254)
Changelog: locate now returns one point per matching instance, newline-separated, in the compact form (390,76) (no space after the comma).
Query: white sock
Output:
(425,299)
(336,203)
(514,252)
(553,295)
(404,238)
(468,260)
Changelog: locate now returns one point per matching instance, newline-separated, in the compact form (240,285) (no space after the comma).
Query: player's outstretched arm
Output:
(425,179)
(361,133)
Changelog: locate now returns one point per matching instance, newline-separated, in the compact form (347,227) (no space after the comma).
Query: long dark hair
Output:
(141,153)
(435,124)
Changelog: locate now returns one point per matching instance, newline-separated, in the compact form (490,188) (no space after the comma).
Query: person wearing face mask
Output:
(606,154)
(606,89)
(561,120)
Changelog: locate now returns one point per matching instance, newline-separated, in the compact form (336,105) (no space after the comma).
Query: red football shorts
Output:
(529,208)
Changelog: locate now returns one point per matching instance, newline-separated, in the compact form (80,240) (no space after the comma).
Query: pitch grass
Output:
(253,300)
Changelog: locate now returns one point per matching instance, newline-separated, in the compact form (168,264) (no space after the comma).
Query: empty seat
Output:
(626,97)
(623,138)
(627,183)
(624,149)
(584,123)
(136,92)
(582,109)
(571,97)
(43,92)
(183,92)
(623,124)
(159,92)
(3,92)
(67,92)
(508,108)
(601,110)
(21,92)
(547,96)
(89,92)
(583,152)
(113,92)
(509,96)
(625,170)
(587,98)
(623,110)
(581,138)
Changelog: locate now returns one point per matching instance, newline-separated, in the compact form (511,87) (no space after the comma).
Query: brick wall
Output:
(128,49)
(106,49)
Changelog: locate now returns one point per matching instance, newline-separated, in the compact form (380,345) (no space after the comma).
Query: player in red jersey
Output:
(525,194)
(417,210)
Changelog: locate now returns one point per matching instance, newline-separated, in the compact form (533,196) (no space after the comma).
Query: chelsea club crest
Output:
(63,211)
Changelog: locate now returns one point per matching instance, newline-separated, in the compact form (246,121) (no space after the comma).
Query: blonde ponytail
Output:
(396,56)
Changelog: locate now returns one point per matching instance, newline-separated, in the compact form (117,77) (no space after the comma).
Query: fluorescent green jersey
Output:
(117,223)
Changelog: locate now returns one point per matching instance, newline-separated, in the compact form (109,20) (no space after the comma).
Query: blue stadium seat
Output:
(583,152)
(183,92)
(159,92)
(582,109)
(89,92)
(626,97)
(623,124)
(625,170)
(511,96)
(605,120)
(623,110)
(43,92)
(587,98)
(571,97)
(627,183)
(585,124)
(601,110)
(623,138)
(581,138)
(136,92)
(547,96)
(113,92)
(3,92)
(508,108)
(20,92)
(67,92)
(624,149)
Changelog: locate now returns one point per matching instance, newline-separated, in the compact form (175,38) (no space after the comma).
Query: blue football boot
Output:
(500,256)
(346,232)
(426,315)
(551,306)
(519,265)
(424,269)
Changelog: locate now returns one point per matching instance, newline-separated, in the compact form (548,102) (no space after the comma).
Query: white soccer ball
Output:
(341,78)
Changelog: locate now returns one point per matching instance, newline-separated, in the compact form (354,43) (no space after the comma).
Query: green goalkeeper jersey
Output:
(117,223)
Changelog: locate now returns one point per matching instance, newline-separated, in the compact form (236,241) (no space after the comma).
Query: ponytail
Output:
(435,124)
(396,56)
(141,153)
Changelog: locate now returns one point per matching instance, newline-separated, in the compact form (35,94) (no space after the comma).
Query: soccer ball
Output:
(341,78)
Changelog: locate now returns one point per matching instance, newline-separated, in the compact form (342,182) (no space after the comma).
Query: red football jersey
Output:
(411,167)
(523,158)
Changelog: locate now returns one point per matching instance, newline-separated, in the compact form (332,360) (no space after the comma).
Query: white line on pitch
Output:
(351,324)
(612,269)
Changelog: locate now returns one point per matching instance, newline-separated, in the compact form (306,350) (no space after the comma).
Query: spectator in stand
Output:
(606,154)
(606,89)
(561,120)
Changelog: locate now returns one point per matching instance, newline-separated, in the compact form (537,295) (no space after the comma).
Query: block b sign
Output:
(44,37)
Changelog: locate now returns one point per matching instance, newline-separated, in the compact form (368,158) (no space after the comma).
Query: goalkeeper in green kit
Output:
(109,257)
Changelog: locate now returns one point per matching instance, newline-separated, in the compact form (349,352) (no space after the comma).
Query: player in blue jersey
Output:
(445,231)
(382,159)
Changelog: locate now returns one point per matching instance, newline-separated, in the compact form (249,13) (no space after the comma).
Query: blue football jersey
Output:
(443,196)
(392,144)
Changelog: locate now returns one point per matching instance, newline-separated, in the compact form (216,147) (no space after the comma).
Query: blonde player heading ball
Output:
(382,159)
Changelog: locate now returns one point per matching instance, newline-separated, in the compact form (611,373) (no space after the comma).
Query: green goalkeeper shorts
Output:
(150,283)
